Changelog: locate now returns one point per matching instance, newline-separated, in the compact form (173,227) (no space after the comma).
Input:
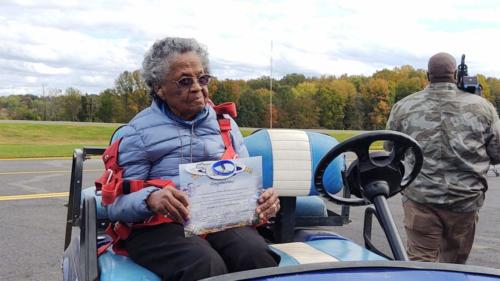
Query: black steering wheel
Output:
(372,168)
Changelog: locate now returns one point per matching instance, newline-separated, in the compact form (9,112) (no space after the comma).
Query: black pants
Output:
(164,250)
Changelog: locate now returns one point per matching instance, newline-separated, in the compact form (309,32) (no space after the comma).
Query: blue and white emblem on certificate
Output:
(222,194)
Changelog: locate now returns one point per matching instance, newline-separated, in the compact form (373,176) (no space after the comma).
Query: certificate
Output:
(222,194)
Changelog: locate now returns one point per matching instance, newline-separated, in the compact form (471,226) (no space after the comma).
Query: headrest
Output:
(290,157)
(117,134)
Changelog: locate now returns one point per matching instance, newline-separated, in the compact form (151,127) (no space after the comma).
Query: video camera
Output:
(465,82)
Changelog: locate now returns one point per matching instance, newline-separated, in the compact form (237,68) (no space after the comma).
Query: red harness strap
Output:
(225,127)
(120,231)
(112,184)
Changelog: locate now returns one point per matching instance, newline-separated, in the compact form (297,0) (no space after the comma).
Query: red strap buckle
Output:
(110,175)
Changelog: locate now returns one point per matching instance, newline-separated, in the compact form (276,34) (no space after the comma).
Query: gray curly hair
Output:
(156,63)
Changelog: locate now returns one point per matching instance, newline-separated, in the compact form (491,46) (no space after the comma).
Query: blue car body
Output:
(339,258)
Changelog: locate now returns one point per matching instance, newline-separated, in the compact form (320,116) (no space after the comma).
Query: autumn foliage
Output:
(327,102)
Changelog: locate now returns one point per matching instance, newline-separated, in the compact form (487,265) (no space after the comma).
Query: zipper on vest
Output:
(191,143)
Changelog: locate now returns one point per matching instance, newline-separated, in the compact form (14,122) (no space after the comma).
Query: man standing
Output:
(459,134)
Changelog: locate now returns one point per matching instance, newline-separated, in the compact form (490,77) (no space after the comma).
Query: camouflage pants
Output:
(435,234)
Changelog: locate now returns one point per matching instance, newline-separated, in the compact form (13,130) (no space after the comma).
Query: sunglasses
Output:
(186,82)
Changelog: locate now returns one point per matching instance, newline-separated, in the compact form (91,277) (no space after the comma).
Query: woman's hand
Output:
(269,204)
(170,202)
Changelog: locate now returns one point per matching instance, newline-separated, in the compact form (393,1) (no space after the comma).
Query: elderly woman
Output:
(180,127)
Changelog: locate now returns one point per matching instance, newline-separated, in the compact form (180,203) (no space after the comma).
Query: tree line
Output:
(329,102)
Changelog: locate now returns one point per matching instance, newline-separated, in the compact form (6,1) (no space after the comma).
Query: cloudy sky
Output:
(56,44)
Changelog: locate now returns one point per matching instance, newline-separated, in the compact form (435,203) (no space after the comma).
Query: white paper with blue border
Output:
(222,194)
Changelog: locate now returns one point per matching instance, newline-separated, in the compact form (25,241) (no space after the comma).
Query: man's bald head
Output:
(442,68)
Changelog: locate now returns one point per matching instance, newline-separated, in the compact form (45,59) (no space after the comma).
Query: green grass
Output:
(56,133)
(246,131)
(339,135)
(23,139)
(343,135)
(56,139)
(39,150)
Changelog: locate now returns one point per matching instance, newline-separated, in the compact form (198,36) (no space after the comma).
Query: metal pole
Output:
(390,229)
(271,90)
(44,103)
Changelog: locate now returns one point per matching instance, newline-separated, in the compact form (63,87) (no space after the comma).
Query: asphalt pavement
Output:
(32,229)
(32,219)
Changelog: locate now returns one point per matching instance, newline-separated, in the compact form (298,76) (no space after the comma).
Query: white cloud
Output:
(31,79)
(88,44)
(94,79)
